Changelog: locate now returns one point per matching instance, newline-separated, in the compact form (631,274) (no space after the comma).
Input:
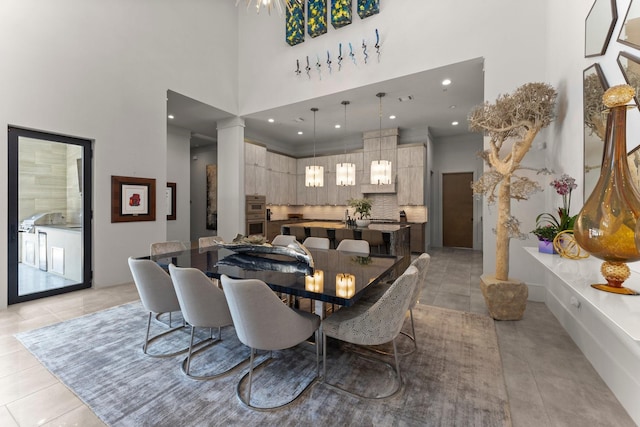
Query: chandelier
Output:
(314,175)
(270,4)
(380,169)
(345,172)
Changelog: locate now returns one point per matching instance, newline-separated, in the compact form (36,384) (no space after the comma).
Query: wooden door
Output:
(457,210)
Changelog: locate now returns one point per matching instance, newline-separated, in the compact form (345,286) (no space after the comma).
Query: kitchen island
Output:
(393,239)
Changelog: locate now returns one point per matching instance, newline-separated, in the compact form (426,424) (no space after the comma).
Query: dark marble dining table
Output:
(288,276)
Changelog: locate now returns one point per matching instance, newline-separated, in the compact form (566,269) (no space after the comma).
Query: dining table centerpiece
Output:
(363,209)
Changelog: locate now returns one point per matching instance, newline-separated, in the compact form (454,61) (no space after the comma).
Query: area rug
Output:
(454,379)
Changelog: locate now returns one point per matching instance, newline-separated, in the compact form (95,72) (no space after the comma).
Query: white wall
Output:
(450,155)
(511,36)
(200,158)
(101,70)
(178,162)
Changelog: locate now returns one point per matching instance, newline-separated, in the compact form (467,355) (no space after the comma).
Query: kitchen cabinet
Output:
(281,179)
(255,169)
(418,237)
(410,183)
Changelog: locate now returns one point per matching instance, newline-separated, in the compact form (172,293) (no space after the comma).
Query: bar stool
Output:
(343,233)
(375,239)
(331,234)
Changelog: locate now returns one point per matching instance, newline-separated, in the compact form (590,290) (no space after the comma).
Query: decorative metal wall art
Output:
(316,17)
(367,8)
(341,13)
(295,24)
(352,53)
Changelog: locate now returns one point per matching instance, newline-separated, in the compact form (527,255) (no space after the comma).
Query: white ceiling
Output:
(430,110)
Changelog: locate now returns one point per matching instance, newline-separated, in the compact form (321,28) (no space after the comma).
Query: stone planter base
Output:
(506,300)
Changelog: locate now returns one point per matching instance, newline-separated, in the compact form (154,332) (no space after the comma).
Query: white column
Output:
(231,199)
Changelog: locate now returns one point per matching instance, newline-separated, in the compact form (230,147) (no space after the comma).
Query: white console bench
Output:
(604,325)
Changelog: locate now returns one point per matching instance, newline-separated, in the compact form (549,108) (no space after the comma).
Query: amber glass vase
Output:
(607,222)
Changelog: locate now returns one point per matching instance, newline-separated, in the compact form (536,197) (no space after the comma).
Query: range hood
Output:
(378,189)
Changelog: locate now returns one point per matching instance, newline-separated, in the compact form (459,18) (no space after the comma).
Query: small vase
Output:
(546,247)
(607,222)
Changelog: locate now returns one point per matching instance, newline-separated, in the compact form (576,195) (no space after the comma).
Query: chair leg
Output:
(193,331)
(317,335)
(395,370)
(195,348)
(250,376)
(411,336)
(148,341)
(324,356)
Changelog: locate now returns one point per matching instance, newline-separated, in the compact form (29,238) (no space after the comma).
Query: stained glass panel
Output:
(316,17)
(295,24)
(340,13)
(367,8)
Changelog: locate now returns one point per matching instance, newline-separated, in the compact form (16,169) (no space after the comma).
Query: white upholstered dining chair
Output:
(157,296)
(316,242)
(160,248)
(283,240)
(203,306)
(263,322)
(351,245)
(206,241)
(377,324)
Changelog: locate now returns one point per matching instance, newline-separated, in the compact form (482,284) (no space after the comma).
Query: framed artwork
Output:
(133,199)
(170,194)
(212,197)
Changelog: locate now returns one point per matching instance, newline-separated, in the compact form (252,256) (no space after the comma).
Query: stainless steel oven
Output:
(256,215)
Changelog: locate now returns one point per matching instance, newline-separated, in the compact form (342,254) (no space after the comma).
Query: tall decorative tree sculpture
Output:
(512,124)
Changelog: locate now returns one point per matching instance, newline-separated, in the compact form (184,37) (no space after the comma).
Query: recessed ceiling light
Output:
(446,82)
(405,98)
(298,120)
(170,116)
(271,120)
(300,132)
(454,123)
(392,117)
(452,106)
(337,126)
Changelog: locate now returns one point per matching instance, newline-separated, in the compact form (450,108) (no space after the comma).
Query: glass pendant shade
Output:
(380,169)
(606,225)
(381,172)
(345,285)
(314,176)
(345,174)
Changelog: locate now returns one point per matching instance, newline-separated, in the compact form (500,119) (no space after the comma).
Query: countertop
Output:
(340,225)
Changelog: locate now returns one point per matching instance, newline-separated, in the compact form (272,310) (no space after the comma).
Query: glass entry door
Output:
(49,214)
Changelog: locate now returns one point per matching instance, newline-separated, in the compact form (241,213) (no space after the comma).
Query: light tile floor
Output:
(549,381)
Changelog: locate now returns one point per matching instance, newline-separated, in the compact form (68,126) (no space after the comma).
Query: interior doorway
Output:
(457,210)
(49,214)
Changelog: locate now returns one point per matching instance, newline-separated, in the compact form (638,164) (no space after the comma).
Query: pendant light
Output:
(314,175)
(345,172)
(380,169)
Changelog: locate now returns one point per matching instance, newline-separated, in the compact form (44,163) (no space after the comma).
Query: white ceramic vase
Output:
(363,222)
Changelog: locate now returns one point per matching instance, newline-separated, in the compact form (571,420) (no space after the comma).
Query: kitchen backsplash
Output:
(385,206)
